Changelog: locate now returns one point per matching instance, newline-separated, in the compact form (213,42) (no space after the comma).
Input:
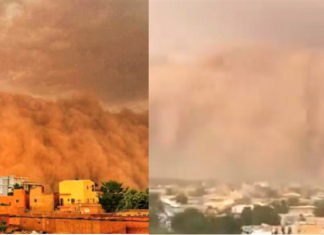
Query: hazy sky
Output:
(55,48)
(240,112)
(198,24)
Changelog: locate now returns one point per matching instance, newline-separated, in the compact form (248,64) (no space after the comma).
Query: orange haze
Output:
(74,138)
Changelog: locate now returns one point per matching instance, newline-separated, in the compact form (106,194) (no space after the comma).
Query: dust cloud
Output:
(57,48)
(238,114)
(235,89)
(74,90)
(69,139)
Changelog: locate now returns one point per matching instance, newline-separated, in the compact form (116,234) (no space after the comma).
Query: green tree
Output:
(18,186)
(134,199)
(266,215)
(142,200)
(113,193)
(319,209)
(293,201)
(113,187)
(226,225)
(191,221)
(181,198)
(3,226)
(246,217)
(155,202)
(281,207)
(153,218)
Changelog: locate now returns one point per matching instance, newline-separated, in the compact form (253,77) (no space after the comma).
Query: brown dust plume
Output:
(54,48)
(72,138)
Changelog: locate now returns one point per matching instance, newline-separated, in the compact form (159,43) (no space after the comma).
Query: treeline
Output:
(115,197)
(192,221)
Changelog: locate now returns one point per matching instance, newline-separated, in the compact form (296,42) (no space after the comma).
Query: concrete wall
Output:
(84,225)
(87,208)
(12,210)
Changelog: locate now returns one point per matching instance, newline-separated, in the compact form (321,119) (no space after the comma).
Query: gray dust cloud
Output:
(235,89)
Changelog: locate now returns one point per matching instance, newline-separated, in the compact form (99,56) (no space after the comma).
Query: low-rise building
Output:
(41,202)
(7,184)
(18,202)
(77,192)
(302,210)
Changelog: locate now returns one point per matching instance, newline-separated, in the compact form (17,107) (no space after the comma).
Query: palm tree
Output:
(113,187)
(112,194)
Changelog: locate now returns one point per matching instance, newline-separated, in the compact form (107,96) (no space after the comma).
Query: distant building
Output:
(291,195)
(318,197)
(7,184)
(77,191)
(301,210)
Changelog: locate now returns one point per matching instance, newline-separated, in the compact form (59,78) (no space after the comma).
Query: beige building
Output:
(41,202)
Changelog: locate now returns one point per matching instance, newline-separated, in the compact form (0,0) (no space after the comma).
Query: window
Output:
(68,199)
(87,187)
(72,200)
(93,200)
(88,200)
(35,200)
(17,201)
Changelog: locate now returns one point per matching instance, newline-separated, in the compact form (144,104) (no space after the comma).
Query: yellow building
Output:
(77,191)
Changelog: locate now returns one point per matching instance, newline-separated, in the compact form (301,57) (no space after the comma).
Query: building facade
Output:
(18,202)
(42,202)
(7,184)
(77,191)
